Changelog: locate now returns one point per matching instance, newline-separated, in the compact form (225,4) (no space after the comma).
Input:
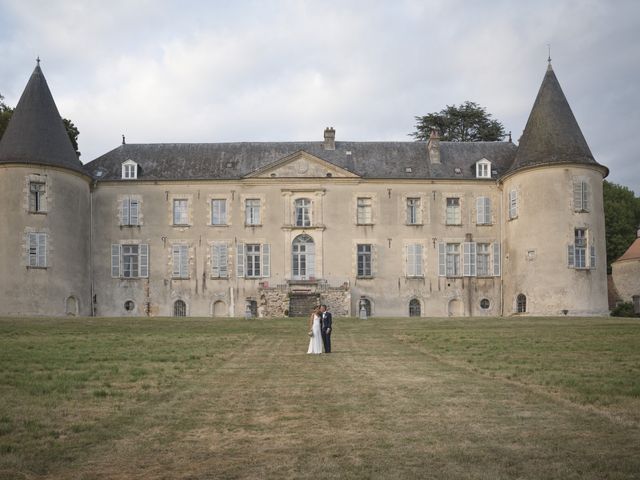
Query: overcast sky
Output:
(218,71)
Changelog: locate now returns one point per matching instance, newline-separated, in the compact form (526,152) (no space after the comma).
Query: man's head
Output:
(323,308)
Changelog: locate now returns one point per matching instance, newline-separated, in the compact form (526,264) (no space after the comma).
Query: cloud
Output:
(283,70)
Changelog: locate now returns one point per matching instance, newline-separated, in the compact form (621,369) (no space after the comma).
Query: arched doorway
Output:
(303,257)
(220,309)
(521,303)
(456,308)
(71,306)
(365,304)
(179,308)
(414,308)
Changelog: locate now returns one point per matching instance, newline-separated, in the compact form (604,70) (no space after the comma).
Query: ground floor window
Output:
(179,308)
(521,303)
(414,308)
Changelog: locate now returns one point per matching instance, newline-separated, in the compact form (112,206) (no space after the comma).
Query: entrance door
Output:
(303,258)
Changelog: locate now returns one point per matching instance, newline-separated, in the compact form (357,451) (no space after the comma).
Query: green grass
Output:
(399,398)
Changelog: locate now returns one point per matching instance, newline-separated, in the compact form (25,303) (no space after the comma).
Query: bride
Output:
(315,342)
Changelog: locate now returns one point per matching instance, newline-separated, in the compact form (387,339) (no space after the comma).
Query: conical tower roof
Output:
(36,134)
(552,134)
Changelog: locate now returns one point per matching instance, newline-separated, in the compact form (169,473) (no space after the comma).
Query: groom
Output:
(325,328)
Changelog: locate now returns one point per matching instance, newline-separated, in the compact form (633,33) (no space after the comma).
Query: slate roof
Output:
(552,134)
(193,161)
(36,134)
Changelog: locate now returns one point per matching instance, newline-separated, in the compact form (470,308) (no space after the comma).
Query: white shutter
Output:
(442,266)
(480,214)
(133,212)
(592,259)
(414,260)
(42,249)
(496,259)
(487,211)
(266,260)
(143,260)
(240,259)
(571,256)
(418,259)
(469,259)
(585,196)
(125,212)
(115,260)
(184,261)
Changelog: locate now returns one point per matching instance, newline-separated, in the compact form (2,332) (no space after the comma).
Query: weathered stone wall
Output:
(626,277)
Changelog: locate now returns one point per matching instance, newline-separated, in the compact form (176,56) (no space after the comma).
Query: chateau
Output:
(268,229)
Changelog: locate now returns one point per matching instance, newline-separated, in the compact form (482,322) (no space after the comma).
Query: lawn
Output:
(399,398)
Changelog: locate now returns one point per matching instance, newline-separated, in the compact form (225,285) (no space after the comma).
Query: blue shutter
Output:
(240,258)
(143,257)
(266,260)
(115,260)
(442,267)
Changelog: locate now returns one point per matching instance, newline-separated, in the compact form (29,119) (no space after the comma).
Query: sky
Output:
(163,71)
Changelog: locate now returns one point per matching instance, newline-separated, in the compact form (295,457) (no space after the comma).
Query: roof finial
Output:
(123,140)
(549,56)
(38,60)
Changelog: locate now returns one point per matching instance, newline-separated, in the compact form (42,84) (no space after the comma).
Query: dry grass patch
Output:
(399,398)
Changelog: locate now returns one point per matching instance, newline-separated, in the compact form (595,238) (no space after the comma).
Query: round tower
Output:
(45,202)
(554,235)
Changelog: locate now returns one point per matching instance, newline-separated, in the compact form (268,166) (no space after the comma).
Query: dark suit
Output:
(326,324)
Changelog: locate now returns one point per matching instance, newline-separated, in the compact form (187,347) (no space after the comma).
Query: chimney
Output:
(433,147)
(329,138)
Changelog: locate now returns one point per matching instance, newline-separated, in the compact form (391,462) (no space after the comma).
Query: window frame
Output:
(129,170)
(219,212)
(413,216)
(252,212)
(453,211)
(37,250)
(37,197)
(364,211)
(180,261)
(179,213)
(364,260)
(302,210)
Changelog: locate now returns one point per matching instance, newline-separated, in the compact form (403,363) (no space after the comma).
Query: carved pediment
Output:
(302,165)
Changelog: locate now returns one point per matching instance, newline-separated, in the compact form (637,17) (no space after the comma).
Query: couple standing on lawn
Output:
(320,330)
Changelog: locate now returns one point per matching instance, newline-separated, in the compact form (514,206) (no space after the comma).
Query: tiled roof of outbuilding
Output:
(552,134)
(192,161)
(632,253)
(36,134)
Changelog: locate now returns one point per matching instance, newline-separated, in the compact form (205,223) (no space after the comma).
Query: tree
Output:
(622,219)
(468,122)
(6,112)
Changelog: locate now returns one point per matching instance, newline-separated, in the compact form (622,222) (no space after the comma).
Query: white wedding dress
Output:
(315,342)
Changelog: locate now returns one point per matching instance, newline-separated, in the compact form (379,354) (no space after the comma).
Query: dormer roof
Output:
(36,134)
(552,134)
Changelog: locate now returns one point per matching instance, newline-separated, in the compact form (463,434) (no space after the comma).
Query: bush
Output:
(623,310)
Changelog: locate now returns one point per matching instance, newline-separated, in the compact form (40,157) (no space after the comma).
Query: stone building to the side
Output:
(625,272)
(425,229)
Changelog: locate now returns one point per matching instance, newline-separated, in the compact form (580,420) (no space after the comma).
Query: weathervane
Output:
(549,58)
(38,60)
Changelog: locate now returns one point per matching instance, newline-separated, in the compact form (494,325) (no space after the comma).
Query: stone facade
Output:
(426,229)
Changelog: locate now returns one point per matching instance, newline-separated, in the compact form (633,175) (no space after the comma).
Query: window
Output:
(130,261)
(485,304)
(219,260)
(129,305)
(218,211)
(180,260)
(303,257)
(483,169)
(129,170)
(414,260)
(180,211)
(252,211)
(580,196)
(364,211)
(36,197)
(413,211)
(482,260)
(577,252)
(513,204)
(38,250)
(179,308)
(303,212)
(130,212)
(253,260)
(364,260)
(521,303)
(483,211)
(449,259)
(414,307)
(454,216)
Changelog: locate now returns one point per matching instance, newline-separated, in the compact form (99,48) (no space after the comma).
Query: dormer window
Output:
(129,170)
(483,168)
